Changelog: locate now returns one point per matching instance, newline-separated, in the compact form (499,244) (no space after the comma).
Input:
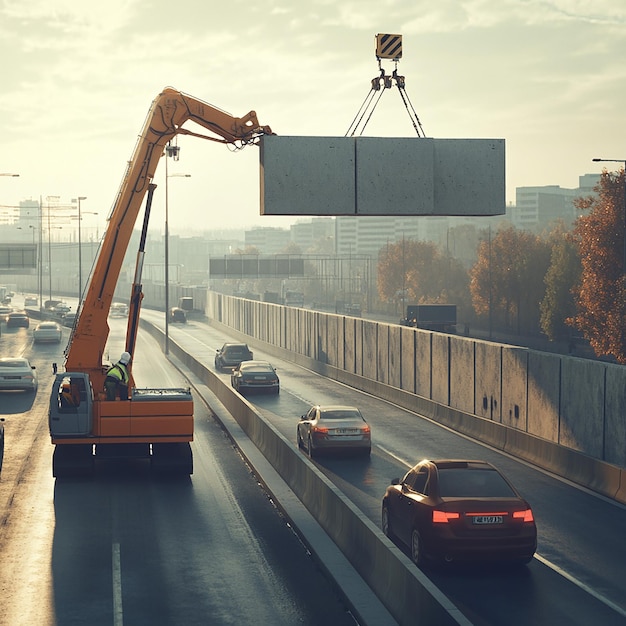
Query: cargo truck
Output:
(437,317)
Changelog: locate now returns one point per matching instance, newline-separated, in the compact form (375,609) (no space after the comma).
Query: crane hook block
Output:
(389,47)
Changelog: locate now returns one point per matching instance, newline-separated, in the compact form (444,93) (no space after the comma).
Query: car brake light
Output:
(525,516)
(365,429)
(320,430)
(443,517)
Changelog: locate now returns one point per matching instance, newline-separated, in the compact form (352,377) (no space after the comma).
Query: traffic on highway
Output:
(575,576)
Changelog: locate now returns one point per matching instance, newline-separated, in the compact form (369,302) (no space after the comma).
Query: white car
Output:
(47,332)
(17,373)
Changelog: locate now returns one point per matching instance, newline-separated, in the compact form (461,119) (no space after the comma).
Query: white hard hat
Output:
(125,358)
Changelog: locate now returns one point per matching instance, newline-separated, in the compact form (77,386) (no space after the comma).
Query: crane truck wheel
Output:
(72,460)
(171,459)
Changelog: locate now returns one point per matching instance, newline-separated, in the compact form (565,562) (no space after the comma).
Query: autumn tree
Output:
(601,293)
(507,278)
(559,303)
(417,271)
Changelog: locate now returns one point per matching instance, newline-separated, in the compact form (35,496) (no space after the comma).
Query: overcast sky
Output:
(78,78)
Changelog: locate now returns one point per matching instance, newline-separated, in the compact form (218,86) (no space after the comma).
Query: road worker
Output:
(116,381)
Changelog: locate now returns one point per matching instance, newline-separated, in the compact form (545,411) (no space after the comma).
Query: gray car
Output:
(255,375)
(17,373)
(334,427)
(232,354)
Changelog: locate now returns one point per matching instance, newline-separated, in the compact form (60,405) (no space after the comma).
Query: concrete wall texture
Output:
(575,403)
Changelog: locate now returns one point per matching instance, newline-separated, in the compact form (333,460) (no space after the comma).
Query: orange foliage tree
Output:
(559,303)
(417,271)
(601,293)
(507,278)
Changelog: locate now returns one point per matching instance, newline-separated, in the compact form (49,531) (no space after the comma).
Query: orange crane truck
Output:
(152,423)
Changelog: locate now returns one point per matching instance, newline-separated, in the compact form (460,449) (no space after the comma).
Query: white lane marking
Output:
(582,585)
(395,456)
(545,561)
(118,615)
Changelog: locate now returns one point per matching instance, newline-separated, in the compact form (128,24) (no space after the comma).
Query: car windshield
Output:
(473,483)
(257,368)
(340,414)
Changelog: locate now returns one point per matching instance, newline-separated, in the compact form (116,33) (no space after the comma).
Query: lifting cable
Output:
(380,84)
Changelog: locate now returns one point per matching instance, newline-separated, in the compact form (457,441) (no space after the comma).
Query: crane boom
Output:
(155,422)
(169,111)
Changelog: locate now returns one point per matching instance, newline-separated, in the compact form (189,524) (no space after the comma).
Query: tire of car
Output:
(386,523)
(309,448)
(298,438)
(417,548)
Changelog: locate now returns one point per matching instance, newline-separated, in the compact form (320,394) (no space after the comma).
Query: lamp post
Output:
(623,161)
(80,257)
(170,152)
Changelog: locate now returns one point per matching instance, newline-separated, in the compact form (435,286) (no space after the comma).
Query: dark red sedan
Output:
(451,510)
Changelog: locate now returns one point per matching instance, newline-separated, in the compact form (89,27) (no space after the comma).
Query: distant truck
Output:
(438,317)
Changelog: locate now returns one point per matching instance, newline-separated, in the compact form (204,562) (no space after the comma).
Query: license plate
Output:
(346,431)
(487,519)
(259,378)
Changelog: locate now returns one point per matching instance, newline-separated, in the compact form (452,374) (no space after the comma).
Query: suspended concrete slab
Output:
(382,176)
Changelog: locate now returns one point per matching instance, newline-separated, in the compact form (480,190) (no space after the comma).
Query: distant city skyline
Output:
(79,79)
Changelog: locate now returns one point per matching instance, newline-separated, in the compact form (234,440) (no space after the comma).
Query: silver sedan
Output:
(17,373)
(334,428)
(47,332)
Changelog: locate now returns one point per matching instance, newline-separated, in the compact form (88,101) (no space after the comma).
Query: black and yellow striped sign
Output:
(389,46)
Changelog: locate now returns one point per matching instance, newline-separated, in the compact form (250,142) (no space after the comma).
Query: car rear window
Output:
(473,483)
(340,415)
(257,368)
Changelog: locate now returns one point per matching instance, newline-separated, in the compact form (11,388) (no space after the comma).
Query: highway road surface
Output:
(124,548)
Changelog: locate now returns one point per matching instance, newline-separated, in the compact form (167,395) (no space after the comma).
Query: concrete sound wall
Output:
(461,374)
(574,404)
(513,411)
(615,410)
(581,415)
(542,399)
(440,367)
(488,384)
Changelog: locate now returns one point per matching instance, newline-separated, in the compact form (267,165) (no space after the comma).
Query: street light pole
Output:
(80,257)
(170,151)
(623,161)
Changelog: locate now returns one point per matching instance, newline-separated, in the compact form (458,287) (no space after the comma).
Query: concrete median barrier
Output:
(402,588)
